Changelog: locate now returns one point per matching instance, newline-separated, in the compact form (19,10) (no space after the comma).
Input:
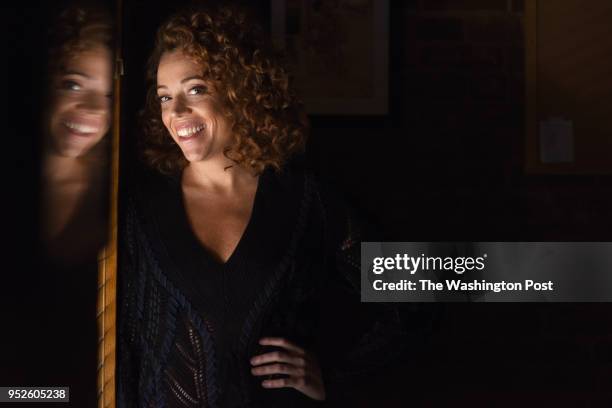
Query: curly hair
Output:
(268,124)
(77,29)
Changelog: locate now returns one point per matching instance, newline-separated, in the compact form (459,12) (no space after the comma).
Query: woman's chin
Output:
(194,156)
(71,150)
(73,146)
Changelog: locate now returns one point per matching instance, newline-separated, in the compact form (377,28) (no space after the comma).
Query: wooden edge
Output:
(107,260)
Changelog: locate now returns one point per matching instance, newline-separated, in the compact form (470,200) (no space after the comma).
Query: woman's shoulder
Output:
(145,183)
(146,195)
(297,173)
(342,212)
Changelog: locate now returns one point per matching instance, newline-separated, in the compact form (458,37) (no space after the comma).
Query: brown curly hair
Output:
(77,29)
(268,124)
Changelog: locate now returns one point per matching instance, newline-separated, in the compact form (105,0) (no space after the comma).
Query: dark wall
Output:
(445,164)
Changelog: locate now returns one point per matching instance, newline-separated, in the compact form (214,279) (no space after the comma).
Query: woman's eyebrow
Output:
(184,80)
(66,73)
(192,77)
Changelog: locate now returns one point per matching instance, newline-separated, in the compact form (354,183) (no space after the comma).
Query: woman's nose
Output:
(95,102)
(180,106)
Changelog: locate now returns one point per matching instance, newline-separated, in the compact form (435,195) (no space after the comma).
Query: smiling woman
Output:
(77,117)
(73,210)
(80,80)
(80,114)
(232,254)
(225,64)
(190,110)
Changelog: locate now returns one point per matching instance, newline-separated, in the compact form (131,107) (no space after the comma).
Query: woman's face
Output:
(81,102)
(190,111)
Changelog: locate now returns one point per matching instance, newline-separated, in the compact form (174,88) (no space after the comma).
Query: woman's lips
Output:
(81,128)
(189,131)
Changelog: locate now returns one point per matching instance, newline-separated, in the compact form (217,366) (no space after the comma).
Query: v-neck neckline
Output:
(201,249)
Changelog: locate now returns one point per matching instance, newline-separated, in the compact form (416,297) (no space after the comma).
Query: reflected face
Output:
(190,110)
(81,102)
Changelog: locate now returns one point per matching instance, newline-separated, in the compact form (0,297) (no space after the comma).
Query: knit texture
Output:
(188,324)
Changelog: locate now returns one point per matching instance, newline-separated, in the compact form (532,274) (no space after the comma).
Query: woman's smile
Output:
(82,127)
(80,109)
(190,110)
(189,130)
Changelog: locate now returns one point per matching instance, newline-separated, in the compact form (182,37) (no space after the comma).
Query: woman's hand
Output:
(301,367)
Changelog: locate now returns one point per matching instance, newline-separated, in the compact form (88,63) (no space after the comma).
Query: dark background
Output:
(445,164)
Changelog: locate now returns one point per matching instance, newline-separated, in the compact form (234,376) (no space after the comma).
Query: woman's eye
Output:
(163,98)
(71,85)
(197,90)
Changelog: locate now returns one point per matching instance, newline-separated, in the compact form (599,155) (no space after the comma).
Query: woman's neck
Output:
(58,168)
(223,176)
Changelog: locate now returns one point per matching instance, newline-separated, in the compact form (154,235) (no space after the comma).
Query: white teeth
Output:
(186,132)
(81,128)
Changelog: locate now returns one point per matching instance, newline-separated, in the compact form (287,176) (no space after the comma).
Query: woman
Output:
(232,254)
(77,119)
(74,204)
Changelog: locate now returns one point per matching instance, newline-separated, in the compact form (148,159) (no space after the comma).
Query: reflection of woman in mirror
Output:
(77,119)
(230,247)
(74,192)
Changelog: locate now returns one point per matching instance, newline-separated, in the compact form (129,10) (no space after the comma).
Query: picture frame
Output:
(567,120)
(338,53)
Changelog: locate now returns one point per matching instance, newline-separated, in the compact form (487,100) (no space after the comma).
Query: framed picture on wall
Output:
(338,53)
(568,91)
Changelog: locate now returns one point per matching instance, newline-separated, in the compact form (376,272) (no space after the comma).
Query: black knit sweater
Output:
(188,324)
